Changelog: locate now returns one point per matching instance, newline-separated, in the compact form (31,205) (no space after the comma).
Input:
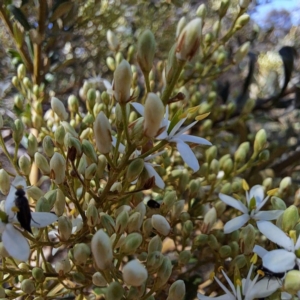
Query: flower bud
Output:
(116,187)
(59,135)
(161,225)
(241,21)
(247,239)
(154,261)
(64,228)
(73,104)
(25,165)
(60,203)
(99,280)
(21,71)
(146,50)
(131,243)
(211,153)
(187,228)
(42,163)
(244,3)
(27,286)
(168,202)
(285,185)
(102,131)
(155,244)
(63,266)
(134,222)
(260,141)
(210,218)
(112,40)
(177,290)
(225,251)
(58,168)
(180,25)
(92,215)
(38,274)
(4,182)
(147,227)
(184,257)
(68,128)
(122,82)
(114,291)
(81,253)
(34,192)
(134,273)
(153,115)
(201,11)
(134,169)
(292,282)
(108,223)
(163,273)
(121,222)
(289,218)
(223,8)
(241,153)
(48,146)
(111,63)
(177,209)
(90,172)
(18,131)
(213,242)
(102,250)
(89,151)
(189,40)
(241,53)
(59,109)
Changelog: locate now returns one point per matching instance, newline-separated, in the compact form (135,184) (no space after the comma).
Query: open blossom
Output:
(13,240)
(255,201)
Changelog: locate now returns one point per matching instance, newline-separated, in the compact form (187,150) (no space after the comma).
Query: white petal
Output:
(297,246)
(42,219)
(15,243)
(194,139)
(267,215)
(234,203)
(276,235)
(264,288)
(154,155)
(186,128)
(260,251)
(224,288)
(151,171)
(279,260)
(138,107)
(257,191)
(286,296)
(236,223)
(176,127)
(188,155)
(229,282)
(246,283)
(2,226)
(223,297)
(121,148)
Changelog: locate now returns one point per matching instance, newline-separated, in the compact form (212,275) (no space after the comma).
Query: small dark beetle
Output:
(153,204)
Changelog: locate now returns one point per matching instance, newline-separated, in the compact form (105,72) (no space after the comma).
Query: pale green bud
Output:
(211,153)
(60,203)
(114,291)
(122,82)
(58,168)
(146,50)
(64,228)
(187,228)
(155,244)
(38,274)
(171,64)
(161,225)
(134,169)
(34,192)
(48,146)
(189,40)
(59,109)
(68,128)
(111,63)
(177,290)
(163,273)
(102,250)
(99,280)
(194,187)
(228,166)
(260,141)
(4,182)
(177,209)
(134,222)
(108,223)
(226,188)
(134,273)
(73,104)
(119,57)
(102,131)
(168,202)
(63,266)
(120,241)
(90,171)
(81,253)
(292,282)
(241,21)
(19,102)
(91,99)
(15,81)
(27,286)
(220,207)
(131,243)
(92,215)
(264,155)
(184,257)
(24,164)
(112,40)
(247,237)
(285,185)
(214,167)
(154,261)
(239,261)
(241,53)
(213,242)
(102,162)
(42,163)
(210,218)
(89,151)
(27,83)
(221,58)
(82,164)
(244,3)
(289,218)
(223,8)
(201,11)
(278,203)
(153,115)
(241,153)
(59,135)
(181,24)
(116,187)
(122,221)
(18,131)
(21,71)
(147,227)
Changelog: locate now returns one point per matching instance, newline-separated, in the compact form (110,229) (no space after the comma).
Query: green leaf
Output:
(19,16)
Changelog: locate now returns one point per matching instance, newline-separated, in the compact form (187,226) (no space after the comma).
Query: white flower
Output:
(173,134)
(279,260)
(13,240)
(255,201)
(251,289)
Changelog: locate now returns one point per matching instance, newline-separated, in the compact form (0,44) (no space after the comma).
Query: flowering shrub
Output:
(126,200)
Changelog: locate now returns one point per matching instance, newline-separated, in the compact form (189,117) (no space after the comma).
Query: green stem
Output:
(147,81)
(124,116)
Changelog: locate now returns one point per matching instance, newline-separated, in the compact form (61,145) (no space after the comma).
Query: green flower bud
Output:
(223,8)
(214,167)
(168,202)
(147,227)
(241,21)
(111,63)
(146,50)
(226,189)
(60,203)
(21,71)
(18,131)
(171,64)
(163,273)
(189,40)
(73,104)
(122,82)
(177,209)
(184,257)
(292,282)
(211,153)
(116,187)
(213,242)
(91,99)
(119,57)
(228,166)
(59,109)
(92,215)
(241,53)
(42,163)
(68,128)
(48,146)
(81,253)
(177,290)
(121,222)
(102,131)
(134,222)
(187,228)
(4,182)
(239,261)
(59,135)
(24,164)
(108,223)
(264,155)
(161,225)
(63,266)
(64,228)
(102,250)
(289,218)
(247,238)
(260,141)
(90,172)
(114,291)
(112,40)
(134,169)
(99,280)
(155,244)
(153,115)
(201,11)
(38,274)
(241,153)
(27,83)
(194,187)
(244,3)
(27,286)
(285,185)
(210,219)
(131,243)
(89,151)
(220,207)
(134,273)
(225,251)
(15,81)
(19,102)
(181,24)
(34,192)
(58,168)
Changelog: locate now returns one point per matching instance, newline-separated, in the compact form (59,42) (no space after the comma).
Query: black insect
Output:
(270,274)
(24,214)
(153,204)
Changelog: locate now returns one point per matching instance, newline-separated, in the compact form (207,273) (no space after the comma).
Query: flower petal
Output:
(188,155)
(258,192)
(138,107)
(151,171)
(264,288)
(186,128)
(223,297)
(267,215)
(42,219)
(194,139)
(121,147)
(260,251)
(176,127)
(233,203)
(236,223)
(15,243)
(279,260)
(276,235)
